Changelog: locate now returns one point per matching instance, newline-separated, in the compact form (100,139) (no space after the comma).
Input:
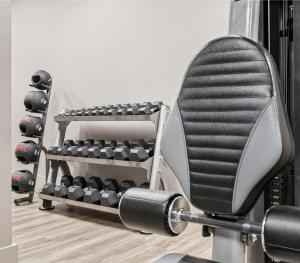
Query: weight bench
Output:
(226,137)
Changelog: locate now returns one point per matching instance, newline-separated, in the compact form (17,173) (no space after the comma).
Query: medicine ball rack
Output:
(151,165)
(47,89)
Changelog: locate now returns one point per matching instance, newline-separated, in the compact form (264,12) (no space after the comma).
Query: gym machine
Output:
(255,219)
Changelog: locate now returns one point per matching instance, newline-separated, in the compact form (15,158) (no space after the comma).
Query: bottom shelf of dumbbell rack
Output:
(79,204)
(145,164)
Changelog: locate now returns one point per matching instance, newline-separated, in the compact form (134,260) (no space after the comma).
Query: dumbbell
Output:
(83,150)
(75,191)
(113,110)
(92,191)
(22,181)
(133,109)
(27,152)
(48,189)
(111,198)
(31,126)
(62,189)
(41,80)
(107,151)
(103,110)
(122,110)
(142,153)
(36,101)
(94,151)
(145,108)
(121,152)
(72,150)
(63,150)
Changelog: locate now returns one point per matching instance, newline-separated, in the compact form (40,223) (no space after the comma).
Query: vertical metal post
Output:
(155,171)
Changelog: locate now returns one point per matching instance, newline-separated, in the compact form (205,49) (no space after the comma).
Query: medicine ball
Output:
(27,152)
(31,126)
(36,101)
(22,181)
(41,80)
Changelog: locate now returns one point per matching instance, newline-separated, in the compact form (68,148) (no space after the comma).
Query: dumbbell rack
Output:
(151,165)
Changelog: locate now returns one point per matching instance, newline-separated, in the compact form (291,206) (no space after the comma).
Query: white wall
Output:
(102,52)
(5,131)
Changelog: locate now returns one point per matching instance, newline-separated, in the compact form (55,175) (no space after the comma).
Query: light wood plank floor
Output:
(66,234)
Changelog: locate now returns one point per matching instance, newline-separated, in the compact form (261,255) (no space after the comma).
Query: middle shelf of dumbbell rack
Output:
(79,204)
(144,165)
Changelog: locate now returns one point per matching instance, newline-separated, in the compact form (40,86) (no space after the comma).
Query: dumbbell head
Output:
(83,151)
(110,143)
(106,153)
(22,181)
(138,154)
(41,79)
(76,193)
(145,110)
(111,184)
(61,191)
(48,189)
(138,143)
(94,152)
(91,196)
(79,143)
(67,180)
(27,152)
(121,153)
(125,185)
(157,104)
(52,150)
(88,142)
(94,182)
(31,126)
(109,198)
(79,181)
(72,150)
(36,101)
(62,150)
(99,143)
(68,143)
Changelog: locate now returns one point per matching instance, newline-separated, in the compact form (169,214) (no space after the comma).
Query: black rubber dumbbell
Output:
(72,150)
(52,150)
(48,189)
(121,152)
(123,109)
(107,151)
(113,110)
(62,189)
(133,109)
(112,198)
(83,150)
(94,151)
(156,106)
(145,108)
(142,153)
(92,191)
(75,191)
(63,150)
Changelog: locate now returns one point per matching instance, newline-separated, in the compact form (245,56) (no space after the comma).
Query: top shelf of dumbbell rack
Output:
(151,117)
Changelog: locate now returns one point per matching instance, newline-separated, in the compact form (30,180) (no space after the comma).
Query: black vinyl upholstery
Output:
(224,92)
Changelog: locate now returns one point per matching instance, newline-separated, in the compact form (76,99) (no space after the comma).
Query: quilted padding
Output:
(224,91)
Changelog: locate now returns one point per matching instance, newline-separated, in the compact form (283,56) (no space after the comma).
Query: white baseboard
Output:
(9,254)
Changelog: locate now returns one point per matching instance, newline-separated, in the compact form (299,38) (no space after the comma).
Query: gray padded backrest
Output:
(228,134)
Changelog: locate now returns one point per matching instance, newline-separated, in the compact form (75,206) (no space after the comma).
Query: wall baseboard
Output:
(9,254)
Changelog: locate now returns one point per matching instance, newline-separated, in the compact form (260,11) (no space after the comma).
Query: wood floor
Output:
(66,234)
